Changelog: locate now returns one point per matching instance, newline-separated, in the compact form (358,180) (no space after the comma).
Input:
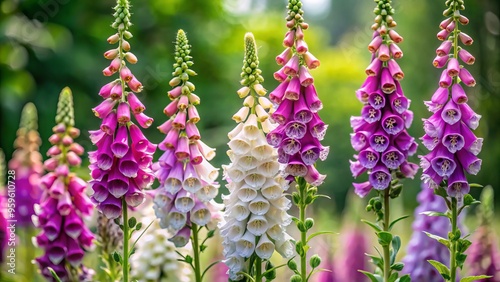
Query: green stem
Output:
(453,249)
(303,234)
(258,269)
(125,266)
(387,255)
(196,251)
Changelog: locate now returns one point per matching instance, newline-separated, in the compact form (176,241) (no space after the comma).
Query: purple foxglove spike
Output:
(275,137)
(171,108)
(444,48)
(403,141)
(359,140)
(305,77)
(469,161)
(293,90)
(466,57)
(195,154)
(116,92)
(362,189)
(290,146)
(384,53)
(310,154)
(445,79)
(356,168)
(134,196)
(166,126)
(368,158)
(120,145)
(173,183)
(301,46)
(75,253)
(440,96)
(377,100)
(395,51)
(379,141)
(280,75)
(317,127)
(170,140)
(472,143)
(193,115)
(111,207)
(443,162)
(57,189)
(135,104)
(283,157)
(458,94)
(295,129)
(469,117)
(399,103)
(409,169)
(442,35)
(182,149)
(311,61)
(284,111)
(392,158)
(117,183)
(143,120)
(453,67)
(103,109)
(395,70)
(391,123)
(184,201)
(457,183)
(375,44)
(64,204)
(100,191)
(174,93)
(370,114)
(312,99)
(313,176)
(123,113)
(434,125)
(57,250)
(452,139)
(52,228)
(289,38)
(183,103)
(105,91)
(440,62)
(276,96)
(283,58)
(128,166)
(451,113)
(466,77)
(296,166)
(73,225)
(387,82)
(466,39)
(291,68)
(191,181)
(380,177)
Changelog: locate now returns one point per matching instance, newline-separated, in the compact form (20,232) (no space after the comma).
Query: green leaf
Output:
(54,274)
(474,278)
(396,244)
(404,278)
(433,213)
(463,245)
(398,266)
(373,225)
(319,233)
(439,239)
(441,268)
(373,277)
(475,185)
(460,259)
(377,261)
(384,238)
(132,222)
(393,277)
(396,220)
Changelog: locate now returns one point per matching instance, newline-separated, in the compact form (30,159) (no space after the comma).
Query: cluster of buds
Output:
(27,164)
(256,215)
(64,203)
(300,129)
(187,179)
(448,132)
(380,134)
(120,169)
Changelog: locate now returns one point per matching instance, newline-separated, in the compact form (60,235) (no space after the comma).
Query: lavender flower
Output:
(121,165)
(448,132)
(256,208)
(380,134)
(300,129)
(187,179)
(27,164)
(64,204)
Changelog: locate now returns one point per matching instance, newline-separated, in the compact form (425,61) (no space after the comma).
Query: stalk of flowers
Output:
(64,237)
(3,208)
(380,134)
(484,255)
(449,137)
(184,201)
(256,215)
(27,164)
(121,167)
(300,128)
(156,258)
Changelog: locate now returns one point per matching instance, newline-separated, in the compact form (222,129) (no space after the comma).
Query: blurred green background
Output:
(47,45)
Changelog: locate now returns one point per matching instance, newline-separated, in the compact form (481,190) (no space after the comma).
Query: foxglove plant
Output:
(64,237)
(449,137)
(256,215)
(184,201)
(122,164)
(380,135)
(484,255)
(300,129)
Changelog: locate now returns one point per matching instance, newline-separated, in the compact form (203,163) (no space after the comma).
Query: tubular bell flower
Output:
(64,204)
(27,164)
(380,134)
(187,179)
(300,129)
(121,165)
(256,208)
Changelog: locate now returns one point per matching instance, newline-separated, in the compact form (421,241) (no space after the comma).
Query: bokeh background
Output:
(47,45)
